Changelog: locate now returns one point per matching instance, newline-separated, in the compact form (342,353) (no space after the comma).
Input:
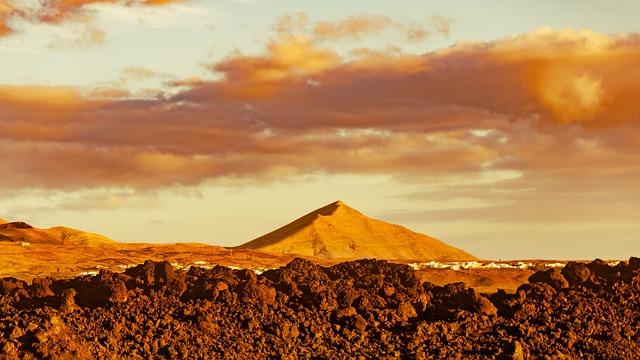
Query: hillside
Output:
(79,237)
(337,231)
(62,252)
(19,231)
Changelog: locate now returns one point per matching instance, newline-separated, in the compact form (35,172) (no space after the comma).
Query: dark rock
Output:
(482,305)
(143,274)
(406,311)
(362,309)
(9,285)
(67,300)
(550,276)
(252,292)
(40,288)
(16,225)
(601,269)
(513,351)
(576,273)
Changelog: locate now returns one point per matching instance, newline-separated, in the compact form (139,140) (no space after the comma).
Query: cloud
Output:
(7,12)
(557,110)
(356,28)
(441,24)
(134,72)
(15,13)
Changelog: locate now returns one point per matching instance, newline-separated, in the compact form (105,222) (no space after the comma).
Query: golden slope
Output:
(79,237)
(3,221)
(22,232)
(337,231)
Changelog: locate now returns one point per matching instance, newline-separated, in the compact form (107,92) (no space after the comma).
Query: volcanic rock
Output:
(552,277)
(358,309)
(576,273)
(16,225)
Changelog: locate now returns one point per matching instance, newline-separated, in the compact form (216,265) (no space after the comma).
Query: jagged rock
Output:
(406,311)
(482,305)
(550,276)
(601,269)
(143,274)
(9,285)
(40,288)
(361,309)
(251,291)
(576,273)
(634,263)
(513,351)
(68,301)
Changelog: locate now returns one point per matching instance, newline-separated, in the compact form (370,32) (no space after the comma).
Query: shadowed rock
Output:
(550,276)
(576,273)
(359,309)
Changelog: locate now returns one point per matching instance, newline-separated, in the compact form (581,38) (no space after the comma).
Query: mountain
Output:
(79,237)
(337,231)
(19,231)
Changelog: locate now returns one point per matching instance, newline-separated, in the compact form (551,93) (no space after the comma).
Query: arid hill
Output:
(60,252)
(79,237)
(337,231)
(22,232)
(27,252)
(19,231)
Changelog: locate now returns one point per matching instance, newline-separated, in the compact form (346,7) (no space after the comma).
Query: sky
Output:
(509,129)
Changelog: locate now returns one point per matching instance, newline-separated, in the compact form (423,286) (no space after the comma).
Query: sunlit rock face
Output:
(337,231)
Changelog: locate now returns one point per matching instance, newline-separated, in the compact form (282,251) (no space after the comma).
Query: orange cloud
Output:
(558,111)
(575,75)
(299,52)
(441,24)
(353,27)
(7,12)
(134,72)
(13,12)
(356,27)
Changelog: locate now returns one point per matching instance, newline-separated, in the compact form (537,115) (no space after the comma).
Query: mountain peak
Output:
(339,231)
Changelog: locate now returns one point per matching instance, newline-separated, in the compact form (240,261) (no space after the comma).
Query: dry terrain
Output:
(69,294)
(361,309)
(337,231)
(326,236)
(59,252)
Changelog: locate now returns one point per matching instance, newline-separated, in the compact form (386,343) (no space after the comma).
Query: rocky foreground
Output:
(361,309)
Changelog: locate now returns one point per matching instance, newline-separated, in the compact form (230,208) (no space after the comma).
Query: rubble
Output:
(365,308)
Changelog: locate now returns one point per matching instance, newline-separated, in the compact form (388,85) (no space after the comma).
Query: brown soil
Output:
(68,260)
(481,280)
(360,309)
(62,261)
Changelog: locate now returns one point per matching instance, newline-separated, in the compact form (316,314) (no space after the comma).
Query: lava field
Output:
(361,309)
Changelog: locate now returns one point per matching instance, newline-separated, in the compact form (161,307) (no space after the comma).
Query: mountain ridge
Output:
(19,231)
(338,231)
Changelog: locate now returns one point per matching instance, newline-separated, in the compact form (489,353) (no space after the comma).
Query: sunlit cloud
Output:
(78,14)
(357,28)
(551,112)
